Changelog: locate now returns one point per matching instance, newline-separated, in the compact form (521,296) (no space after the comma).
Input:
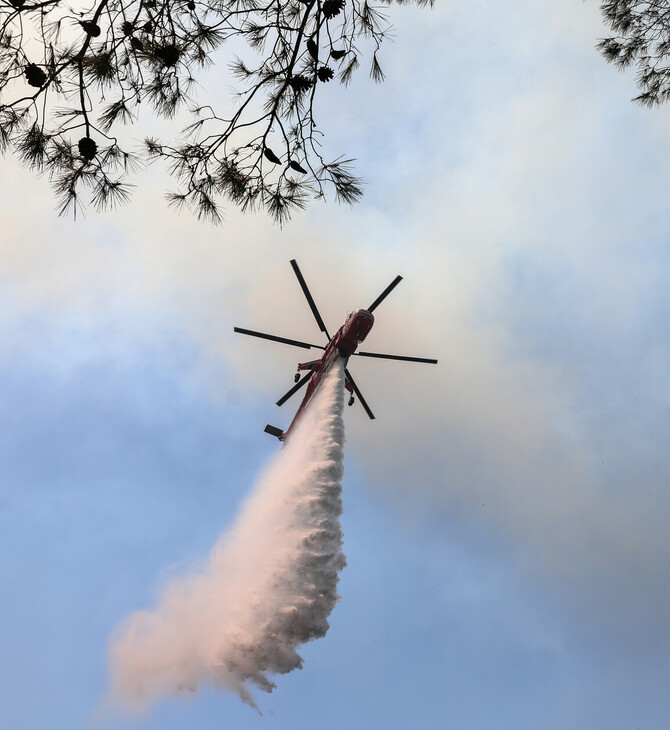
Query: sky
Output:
(505,515)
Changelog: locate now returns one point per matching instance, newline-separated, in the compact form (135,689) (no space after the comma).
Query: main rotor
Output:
(319,320)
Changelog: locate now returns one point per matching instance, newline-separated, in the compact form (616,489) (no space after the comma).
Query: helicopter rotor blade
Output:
(359,394)
(309,298)
(385,293)
(294,389)
(275,338)
(397,357)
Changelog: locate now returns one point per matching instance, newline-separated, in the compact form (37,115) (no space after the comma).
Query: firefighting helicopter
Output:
(342,345)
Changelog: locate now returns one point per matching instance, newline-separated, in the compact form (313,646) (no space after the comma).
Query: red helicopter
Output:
(341,346)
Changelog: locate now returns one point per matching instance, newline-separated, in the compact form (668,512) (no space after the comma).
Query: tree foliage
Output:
(71,75)
(642,38)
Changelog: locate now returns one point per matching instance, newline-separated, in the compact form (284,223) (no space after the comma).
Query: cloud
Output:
(522,205)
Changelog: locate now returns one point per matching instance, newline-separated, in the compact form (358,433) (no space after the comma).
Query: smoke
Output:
(268,585)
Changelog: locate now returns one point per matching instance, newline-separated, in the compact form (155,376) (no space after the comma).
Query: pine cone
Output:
(137,44)
(337,54)
(91,28)
(87,148)
(271,156)
(169,54)
(313,49)
(190,5)
(297,167)
(35,76)
(300,83)
(325,73)
(331,8)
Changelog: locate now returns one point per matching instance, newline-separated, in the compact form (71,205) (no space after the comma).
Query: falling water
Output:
(267,587)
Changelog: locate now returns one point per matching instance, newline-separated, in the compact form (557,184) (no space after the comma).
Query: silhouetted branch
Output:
(70,76)
(643,39)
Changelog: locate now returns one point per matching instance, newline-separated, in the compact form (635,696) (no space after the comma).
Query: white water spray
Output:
(268,585)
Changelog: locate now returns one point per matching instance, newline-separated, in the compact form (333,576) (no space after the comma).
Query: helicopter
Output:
(341,346)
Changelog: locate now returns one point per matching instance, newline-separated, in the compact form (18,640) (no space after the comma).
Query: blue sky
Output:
(505,516)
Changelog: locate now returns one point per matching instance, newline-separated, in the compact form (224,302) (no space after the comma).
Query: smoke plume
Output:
(268,585)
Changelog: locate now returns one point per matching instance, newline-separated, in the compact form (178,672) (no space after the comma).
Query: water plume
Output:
(267,587)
